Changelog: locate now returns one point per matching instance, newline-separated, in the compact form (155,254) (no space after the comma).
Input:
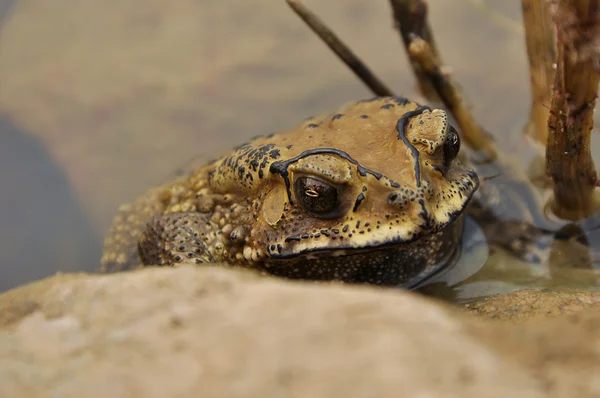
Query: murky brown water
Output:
(101,100)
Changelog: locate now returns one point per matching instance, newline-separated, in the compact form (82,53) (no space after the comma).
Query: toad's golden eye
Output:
(316,196)
(451,145)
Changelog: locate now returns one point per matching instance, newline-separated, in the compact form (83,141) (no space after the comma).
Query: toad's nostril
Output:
(398,199)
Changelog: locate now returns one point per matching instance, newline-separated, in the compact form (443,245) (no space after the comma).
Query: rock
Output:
(526,305)
(214,332)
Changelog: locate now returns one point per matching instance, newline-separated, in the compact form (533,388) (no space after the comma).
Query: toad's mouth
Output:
(403,265)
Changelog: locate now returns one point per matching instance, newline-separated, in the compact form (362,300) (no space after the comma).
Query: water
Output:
(102,100)
(43,228)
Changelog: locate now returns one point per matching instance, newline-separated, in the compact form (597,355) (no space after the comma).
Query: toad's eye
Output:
(316,196)
(451,145)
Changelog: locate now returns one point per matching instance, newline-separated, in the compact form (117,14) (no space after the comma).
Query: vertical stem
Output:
(539,40)
(340,49)
(568,156)
(473,133)
(410,18)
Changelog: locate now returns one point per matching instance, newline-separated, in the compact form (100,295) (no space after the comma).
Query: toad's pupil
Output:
(312,193)
(316,196)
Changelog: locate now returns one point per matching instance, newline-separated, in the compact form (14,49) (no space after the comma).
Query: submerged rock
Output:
(215,332)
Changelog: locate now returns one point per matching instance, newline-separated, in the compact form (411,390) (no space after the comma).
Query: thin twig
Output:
(473,133)
(539,38)
(568,157)
(410,18)
(340,49)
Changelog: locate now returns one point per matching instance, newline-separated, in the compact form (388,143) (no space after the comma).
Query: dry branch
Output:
(340,49)
(473,133)
(568,157)
(539,39)
(424,58)
(410,18)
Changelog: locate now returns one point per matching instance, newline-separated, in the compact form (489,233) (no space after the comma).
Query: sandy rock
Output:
(526,305)
(213,332)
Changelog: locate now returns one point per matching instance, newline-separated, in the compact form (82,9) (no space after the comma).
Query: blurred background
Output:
(101,100)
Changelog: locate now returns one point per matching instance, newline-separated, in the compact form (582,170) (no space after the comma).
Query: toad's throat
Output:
(398,265)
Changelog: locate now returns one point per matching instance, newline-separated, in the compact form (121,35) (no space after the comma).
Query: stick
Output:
(473,133)
(340,49)
(539,39)
(410,18)
(568,158)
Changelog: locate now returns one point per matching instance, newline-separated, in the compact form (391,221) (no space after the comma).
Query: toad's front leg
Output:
(176,238)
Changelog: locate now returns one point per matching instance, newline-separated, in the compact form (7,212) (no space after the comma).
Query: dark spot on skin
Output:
(364,116)
(345,229)
(388,106)
(424,214)
(364,188)
(359,200)
(289,146)
(394,184)
(312,126)
(292,238)
(401,100)
(337,116)
(275,154)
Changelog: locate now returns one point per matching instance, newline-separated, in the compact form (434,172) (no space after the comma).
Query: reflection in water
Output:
(570,260)
(43,229)
(472,254)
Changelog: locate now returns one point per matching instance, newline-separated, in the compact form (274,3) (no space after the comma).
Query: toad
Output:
(372,193)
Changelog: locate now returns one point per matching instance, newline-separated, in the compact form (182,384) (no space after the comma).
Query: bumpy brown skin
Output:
(397,216)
